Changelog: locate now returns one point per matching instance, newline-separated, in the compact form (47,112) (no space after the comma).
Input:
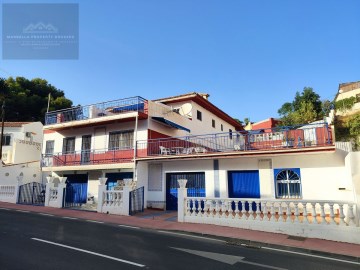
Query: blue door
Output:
(76,189)
(113,177)
(195,186)
(244,184)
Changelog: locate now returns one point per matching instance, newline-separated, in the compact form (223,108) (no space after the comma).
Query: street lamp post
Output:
(2,128)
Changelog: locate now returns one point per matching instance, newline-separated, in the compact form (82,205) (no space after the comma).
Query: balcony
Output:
(279,139)
(89,157)
(98,110)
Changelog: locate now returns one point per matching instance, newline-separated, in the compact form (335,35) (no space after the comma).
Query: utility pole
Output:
(2,128)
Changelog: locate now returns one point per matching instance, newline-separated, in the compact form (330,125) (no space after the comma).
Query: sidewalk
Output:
(161,220)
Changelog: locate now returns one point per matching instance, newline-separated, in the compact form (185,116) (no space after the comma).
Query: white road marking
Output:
(224,258)
(70,217)
(89,252)
(311,255)
(4,209)
(23,211)
(94,221)
(131,227)
(44,214)
(194,236)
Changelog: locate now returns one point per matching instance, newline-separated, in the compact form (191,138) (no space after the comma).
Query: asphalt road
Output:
(35,241)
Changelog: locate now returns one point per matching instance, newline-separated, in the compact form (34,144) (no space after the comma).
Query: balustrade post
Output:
(60,195)
(243,211)
(341,215)
(101,190)
(272,212)
(322,213)
(237,216)
(49,186)
(296,213)
(332,215)
(305,214)
(258,212)
(128,187)
(182,195)
(313,213)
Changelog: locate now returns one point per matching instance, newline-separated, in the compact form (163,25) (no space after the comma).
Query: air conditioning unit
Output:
(28,134)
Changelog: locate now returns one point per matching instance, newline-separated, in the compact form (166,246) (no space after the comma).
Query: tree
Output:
(305,108)
(26,100)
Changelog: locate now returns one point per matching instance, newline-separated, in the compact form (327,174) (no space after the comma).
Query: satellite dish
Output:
(186,110)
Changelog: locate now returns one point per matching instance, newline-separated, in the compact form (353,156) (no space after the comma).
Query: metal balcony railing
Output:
(89,157)
(279,138)
(133,104)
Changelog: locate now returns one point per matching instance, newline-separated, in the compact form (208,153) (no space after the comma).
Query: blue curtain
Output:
(244,184)
(76,189)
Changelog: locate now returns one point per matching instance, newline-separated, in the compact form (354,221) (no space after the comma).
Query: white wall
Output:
(79,132)
(31,173)
(322,174)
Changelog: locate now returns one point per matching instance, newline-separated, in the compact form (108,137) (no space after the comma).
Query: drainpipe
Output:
(135,140)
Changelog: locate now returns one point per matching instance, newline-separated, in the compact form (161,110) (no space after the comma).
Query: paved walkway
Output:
(166,220)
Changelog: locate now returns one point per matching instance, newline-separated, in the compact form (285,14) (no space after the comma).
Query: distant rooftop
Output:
(15,124)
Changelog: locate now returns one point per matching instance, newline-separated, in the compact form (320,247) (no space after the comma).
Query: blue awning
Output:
(170,123)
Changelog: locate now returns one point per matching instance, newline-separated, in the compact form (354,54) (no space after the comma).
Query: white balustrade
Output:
(320,219)
(8,193)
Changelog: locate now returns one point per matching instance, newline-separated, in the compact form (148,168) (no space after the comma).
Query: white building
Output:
(87,142)
(21,152)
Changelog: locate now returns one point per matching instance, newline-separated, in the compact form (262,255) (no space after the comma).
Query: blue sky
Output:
(250,56)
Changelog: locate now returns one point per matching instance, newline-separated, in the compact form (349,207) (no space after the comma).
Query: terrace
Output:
(301,138)
(98,110)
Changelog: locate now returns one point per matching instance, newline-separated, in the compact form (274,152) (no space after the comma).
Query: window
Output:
(230,134)
(6,140)
(121,140)
(199,115)
(49,148)
(69,145)
(213,123)
(288,184)
(222,127)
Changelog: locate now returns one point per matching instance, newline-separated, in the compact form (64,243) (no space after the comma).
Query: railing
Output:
(89,157)
(265,139)
(53,194)
(112,198)
(306,212)
(331,220)
(345,146)
(137,104)
(8,193)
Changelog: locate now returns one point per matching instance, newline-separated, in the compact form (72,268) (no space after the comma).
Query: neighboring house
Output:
(346,91)
(21,152)
(84,143)
(263,124)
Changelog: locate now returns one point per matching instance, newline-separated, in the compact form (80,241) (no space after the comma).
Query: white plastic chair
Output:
(164,150)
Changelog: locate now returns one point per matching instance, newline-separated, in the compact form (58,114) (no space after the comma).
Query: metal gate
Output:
(74,195)
(136,201)
(32,193)
(195,187)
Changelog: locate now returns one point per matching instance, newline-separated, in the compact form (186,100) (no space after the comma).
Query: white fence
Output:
(114,201)
(9,193)
(345,146)
(331,220)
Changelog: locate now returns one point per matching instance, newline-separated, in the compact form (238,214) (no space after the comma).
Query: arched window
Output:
(288,183)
